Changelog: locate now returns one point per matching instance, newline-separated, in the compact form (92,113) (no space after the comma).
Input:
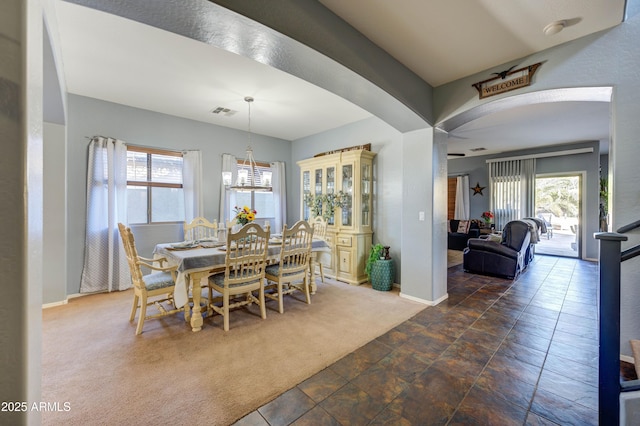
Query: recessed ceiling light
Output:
(554,27)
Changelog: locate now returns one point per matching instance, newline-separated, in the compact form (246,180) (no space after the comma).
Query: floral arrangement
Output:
(244,215)
(487,216)
(316,203)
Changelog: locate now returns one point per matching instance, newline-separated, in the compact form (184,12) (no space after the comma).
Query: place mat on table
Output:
(195,245)
(179,248)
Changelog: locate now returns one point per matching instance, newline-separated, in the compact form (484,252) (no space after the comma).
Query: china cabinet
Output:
(339,187)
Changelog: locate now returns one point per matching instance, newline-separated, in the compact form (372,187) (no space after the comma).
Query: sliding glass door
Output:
(558,202)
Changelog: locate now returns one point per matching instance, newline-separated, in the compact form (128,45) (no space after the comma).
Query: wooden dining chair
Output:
(155,289)
(295,254)
(199,229)
(244,272)
(320,231)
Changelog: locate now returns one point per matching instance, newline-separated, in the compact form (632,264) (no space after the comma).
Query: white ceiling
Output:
(440,40)
(444,40)
(160,71)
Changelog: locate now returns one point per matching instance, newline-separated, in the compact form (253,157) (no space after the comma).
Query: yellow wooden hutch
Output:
(339,186)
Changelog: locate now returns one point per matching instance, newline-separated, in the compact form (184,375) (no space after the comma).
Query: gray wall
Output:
(89,117)
(609,58)
(54,288)
(386,142)
(478,171)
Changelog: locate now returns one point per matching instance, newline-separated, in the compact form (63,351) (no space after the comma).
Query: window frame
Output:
(240,164)
(149,183)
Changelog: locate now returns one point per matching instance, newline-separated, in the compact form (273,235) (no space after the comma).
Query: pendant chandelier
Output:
(249,177)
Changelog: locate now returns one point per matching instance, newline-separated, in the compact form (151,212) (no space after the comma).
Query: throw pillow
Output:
(463,227)
(495,237)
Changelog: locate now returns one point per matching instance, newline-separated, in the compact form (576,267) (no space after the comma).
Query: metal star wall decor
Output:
(477,189)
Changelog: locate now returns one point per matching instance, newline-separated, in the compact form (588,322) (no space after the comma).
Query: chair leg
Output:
(280,300)
(306,290)
(134,308)
(210,302)
(263,308)
(225,311)
(143,313)
(321,272)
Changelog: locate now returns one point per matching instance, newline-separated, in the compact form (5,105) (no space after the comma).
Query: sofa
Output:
(459,232)
(505,258)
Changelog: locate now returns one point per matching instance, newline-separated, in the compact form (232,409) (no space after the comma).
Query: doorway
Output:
(558,202)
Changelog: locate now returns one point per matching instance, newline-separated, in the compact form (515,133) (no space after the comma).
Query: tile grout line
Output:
(528,409)
(494,352)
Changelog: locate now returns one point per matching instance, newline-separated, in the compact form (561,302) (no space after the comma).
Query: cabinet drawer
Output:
(344,240)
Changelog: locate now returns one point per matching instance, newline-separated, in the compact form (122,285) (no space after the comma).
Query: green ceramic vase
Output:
(382,275)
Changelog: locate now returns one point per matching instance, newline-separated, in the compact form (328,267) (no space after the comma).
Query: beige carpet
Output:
(170,375)
(454,257)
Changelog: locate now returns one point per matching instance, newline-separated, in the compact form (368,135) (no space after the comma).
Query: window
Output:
(154,186)
(260,201)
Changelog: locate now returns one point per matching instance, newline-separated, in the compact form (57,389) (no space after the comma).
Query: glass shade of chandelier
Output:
(249,178)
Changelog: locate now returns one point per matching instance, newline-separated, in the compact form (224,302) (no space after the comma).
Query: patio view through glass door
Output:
(558,201)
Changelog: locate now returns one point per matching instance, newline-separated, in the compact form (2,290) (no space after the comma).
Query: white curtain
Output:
(461,208)
(227,198)
(279,188)
(192,184)
(512,189)
(105,262)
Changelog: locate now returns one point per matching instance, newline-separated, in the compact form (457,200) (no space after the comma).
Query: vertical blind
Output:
(512,185)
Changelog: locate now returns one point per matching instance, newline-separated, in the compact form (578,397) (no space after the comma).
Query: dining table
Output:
(196,260)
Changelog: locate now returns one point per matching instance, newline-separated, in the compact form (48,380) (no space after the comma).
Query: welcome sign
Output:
(506,81)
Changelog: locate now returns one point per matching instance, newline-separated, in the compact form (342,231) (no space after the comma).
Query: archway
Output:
(571,101)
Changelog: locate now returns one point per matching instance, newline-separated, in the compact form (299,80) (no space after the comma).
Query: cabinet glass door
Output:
(306,192)
(331,188)
(318,182)
(347,189)
(366,194)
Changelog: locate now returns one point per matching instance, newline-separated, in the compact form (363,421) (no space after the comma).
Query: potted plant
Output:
(379,268)
(487,217)
(374,255)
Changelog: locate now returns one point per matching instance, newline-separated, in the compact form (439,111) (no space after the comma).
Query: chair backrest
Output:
(295,253)
(132,255)
(200,228)
(516,234)
(246,255)
(319,227)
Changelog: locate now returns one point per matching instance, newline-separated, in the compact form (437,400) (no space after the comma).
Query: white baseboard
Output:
(69,296)
(424,301)
(73,296)
(51,305)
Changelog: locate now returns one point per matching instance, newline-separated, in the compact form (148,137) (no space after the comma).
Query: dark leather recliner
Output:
(506,258)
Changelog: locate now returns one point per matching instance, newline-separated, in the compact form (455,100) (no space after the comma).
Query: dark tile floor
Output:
(497,351)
